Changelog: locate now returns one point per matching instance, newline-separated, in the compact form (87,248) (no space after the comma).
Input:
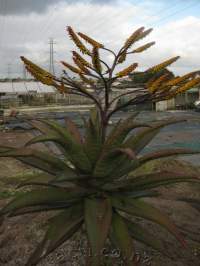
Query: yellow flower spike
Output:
(122,58)
(35,67)
(90,40)
(163,65)
(96,60)
(72,68)
(47,80)
(81,59)
(77,41)
(144,34)
(81,66)
(130,41)
(127,70)
(143,47)
(178,80)
(157,84)
(190,84)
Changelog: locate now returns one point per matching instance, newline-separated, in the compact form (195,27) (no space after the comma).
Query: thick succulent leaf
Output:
(60,229)
(142,235)
(43,128)
(116,137)
(108,165)
(36,178)
(39,159)
(165,153)
(98,214)
(44,196)
(74,150)
(136,194)
(144,210)
(93,138)
(73,130)
(5,148)
(122,240)
(195,203)
(152,180)
(145,136)
(42,208)
(44,138)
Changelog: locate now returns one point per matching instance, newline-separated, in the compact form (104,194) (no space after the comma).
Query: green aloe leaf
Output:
(74,150)
(140,234)
(60,229)
(73,130)
(152,180)
(44,138)
(108,165)
(144,210)
(44,196)
(165,153)
(98,214)
(122,240)
(38,159)
(36,178)
(93,138)
(116,137)
(145,136)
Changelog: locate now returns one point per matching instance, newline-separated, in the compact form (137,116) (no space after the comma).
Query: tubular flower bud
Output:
(156,85)
(122,58)
(130,41)
(188,85)
(35,68)
(90,40)
(163,65)
(144,34)
(81,66)
(96,60)
(47,80)
(127,70)
(72,68)
(81,59)
(77,41)
(143,47)
(178,80)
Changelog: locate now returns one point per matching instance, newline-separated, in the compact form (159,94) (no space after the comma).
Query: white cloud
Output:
(110,24)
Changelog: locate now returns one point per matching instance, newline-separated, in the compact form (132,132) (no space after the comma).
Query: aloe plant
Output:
(92,185)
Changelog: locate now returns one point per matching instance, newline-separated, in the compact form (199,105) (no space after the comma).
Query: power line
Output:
(177,12)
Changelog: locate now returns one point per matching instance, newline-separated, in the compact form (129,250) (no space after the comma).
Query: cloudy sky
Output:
(27,25)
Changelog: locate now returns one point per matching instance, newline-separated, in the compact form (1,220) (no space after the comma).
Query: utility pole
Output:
(51,56)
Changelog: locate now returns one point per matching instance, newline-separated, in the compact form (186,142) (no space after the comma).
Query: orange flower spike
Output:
(72,68)
(81,59)
(127,70)
(77,41)
(96,60)
(129,42)
(143,47)
(81,66)
(163,65)
(157,84)
(90,40)
(190,84)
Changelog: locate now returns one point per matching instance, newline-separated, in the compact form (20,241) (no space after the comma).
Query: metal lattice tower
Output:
(51,56)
